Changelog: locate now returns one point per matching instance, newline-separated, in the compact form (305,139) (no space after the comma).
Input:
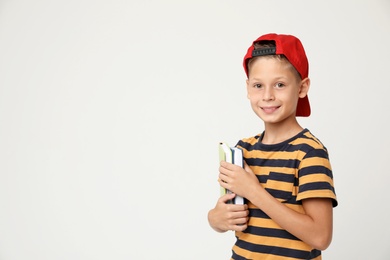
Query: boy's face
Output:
(274,89)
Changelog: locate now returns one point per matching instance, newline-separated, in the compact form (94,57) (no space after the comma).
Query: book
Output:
(225,154)
(232,155)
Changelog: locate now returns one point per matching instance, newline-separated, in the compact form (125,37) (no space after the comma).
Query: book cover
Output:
(231,155)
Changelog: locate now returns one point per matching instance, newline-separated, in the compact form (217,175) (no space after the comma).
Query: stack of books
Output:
(231,155)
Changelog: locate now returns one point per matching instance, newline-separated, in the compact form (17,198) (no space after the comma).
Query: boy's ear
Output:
(304,89)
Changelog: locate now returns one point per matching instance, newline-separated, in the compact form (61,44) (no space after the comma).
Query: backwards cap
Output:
(292,48)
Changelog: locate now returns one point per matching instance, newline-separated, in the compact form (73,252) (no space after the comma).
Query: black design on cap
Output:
(264,52)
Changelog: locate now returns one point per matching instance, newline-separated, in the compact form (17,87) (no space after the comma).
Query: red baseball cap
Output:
(292,48)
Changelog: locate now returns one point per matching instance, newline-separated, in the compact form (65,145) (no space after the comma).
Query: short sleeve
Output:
(315,176)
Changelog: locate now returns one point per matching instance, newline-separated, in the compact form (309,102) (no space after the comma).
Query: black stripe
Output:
(276,148)
(282,177)
(318,153)
(270,232)
(290,163)
(315,169)
(320,185)
(281,194)
(258,213)
(272,250)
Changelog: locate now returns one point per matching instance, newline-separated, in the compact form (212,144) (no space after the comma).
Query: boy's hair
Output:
(287,46)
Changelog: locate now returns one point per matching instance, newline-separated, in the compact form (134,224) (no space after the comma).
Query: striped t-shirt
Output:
(291,171)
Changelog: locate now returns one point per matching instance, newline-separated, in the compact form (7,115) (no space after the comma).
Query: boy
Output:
(287,180)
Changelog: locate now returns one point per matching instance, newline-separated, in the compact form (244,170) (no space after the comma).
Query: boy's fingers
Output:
(227,197)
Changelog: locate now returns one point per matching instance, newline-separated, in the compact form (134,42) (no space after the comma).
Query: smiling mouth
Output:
(269,110)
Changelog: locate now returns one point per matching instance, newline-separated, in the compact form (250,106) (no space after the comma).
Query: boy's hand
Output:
(241,181)
(224,217)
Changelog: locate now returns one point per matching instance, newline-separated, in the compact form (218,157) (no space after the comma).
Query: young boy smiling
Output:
(287,180)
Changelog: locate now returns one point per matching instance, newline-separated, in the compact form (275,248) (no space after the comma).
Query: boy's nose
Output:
(268,94)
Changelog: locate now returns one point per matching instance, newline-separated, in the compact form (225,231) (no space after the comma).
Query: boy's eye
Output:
(279,85)
(257,86)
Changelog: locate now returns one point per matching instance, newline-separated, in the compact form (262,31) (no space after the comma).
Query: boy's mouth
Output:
(269,110)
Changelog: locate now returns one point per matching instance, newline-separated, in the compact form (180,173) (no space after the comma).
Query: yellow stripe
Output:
(262,222)
(264,170)
(278,185)
(316,194)
(275,154)
(316,161)
(297,208)
(317,177)
(312,143)
(251,140)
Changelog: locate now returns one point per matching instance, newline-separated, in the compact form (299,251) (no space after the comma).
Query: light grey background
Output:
(111,112)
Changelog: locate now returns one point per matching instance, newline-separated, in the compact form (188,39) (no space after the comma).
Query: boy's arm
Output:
(313,227)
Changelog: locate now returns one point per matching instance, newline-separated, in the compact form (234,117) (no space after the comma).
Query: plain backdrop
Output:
(111,113)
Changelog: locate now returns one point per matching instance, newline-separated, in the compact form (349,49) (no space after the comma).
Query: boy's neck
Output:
(276,133)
